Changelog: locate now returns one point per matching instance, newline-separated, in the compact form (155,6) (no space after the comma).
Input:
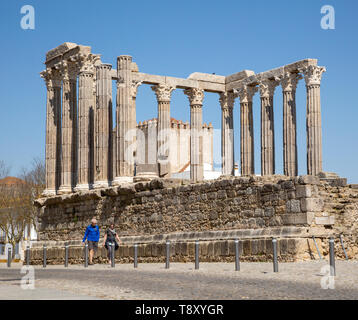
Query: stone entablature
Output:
(79,135)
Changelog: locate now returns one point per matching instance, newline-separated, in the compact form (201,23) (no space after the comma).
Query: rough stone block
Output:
(293,206)
(307,179)
(303,191)
(312,204)
(325,220)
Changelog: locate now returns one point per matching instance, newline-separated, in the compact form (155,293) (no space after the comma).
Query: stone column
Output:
(163,93)
(313,76)
(227,100)
(53,130)
(103,127)
(289,83)
(247,159)
(85,113)
(196,97)
(125,124)
(267,89)
(69,127)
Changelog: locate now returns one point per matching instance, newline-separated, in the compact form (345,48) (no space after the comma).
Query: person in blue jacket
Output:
(92,237)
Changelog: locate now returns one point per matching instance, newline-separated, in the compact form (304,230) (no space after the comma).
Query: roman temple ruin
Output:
(83,152)
(108,166)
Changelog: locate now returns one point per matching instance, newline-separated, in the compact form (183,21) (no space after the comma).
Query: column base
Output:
(64,190)
(82,187)
(121,180)
(49,192)
(101,184)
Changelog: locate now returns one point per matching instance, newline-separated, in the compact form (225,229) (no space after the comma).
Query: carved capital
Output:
(227,100)
(313,74)
(134,87)
(245,93)
(289,81)
(267,87)
(195,95)
(52,78)
(163,92)
(86,63)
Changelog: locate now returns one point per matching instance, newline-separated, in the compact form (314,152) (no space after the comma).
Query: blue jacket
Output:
(91,234)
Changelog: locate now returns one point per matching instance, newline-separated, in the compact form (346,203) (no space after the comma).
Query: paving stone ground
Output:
(299,280)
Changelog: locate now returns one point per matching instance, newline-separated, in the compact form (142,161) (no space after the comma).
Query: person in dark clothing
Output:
(109,241)
(92,237)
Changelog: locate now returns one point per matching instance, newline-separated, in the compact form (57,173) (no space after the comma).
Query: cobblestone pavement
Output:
(299,280)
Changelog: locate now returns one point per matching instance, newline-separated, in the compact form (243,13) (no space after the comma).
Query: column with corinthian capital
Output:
(85,114)
(196,97)
(289,84)
(227,100)
(267,89)
(125,124)
(53,130)
(247,159)
(69,127)
(163,93)
(313,75)
(103,127)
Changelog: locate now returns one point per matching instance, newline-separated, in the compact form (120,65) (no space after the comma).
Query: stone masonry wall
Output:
(253,209)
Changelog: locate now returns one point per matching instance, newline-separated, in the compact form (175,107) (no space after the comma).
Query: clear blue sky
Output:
(177,38)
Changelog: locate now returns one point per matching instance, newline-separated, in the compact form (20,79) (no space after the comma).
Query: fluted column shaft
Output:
(125,124)
(247,159)
(267,89)
(163,93)
(196,97)
(227,133)
(53,130)
(69,129)
(289,84)
(85,114)
(103,127)
(247,139)
(313,76)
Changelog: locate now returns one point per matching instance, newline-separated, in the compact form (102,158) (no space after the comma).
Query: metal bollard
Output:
(66,255)
(315,243)
(196,254)
(9,257)
(135,255)
(27,255)
(44,257)
(344,249)
(167,260)
(113,247)
(331,257)
(86,255)
(237,256)
(275,263)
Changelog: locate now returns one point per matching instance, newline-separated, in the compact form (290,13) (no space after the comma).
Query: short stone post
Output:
(167,260)
(331,257)
(66,255)
(9,257)
(275,262)
(237,256)
(135,255)
(113,248)
(86,255)
(27,255)
(44,262)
